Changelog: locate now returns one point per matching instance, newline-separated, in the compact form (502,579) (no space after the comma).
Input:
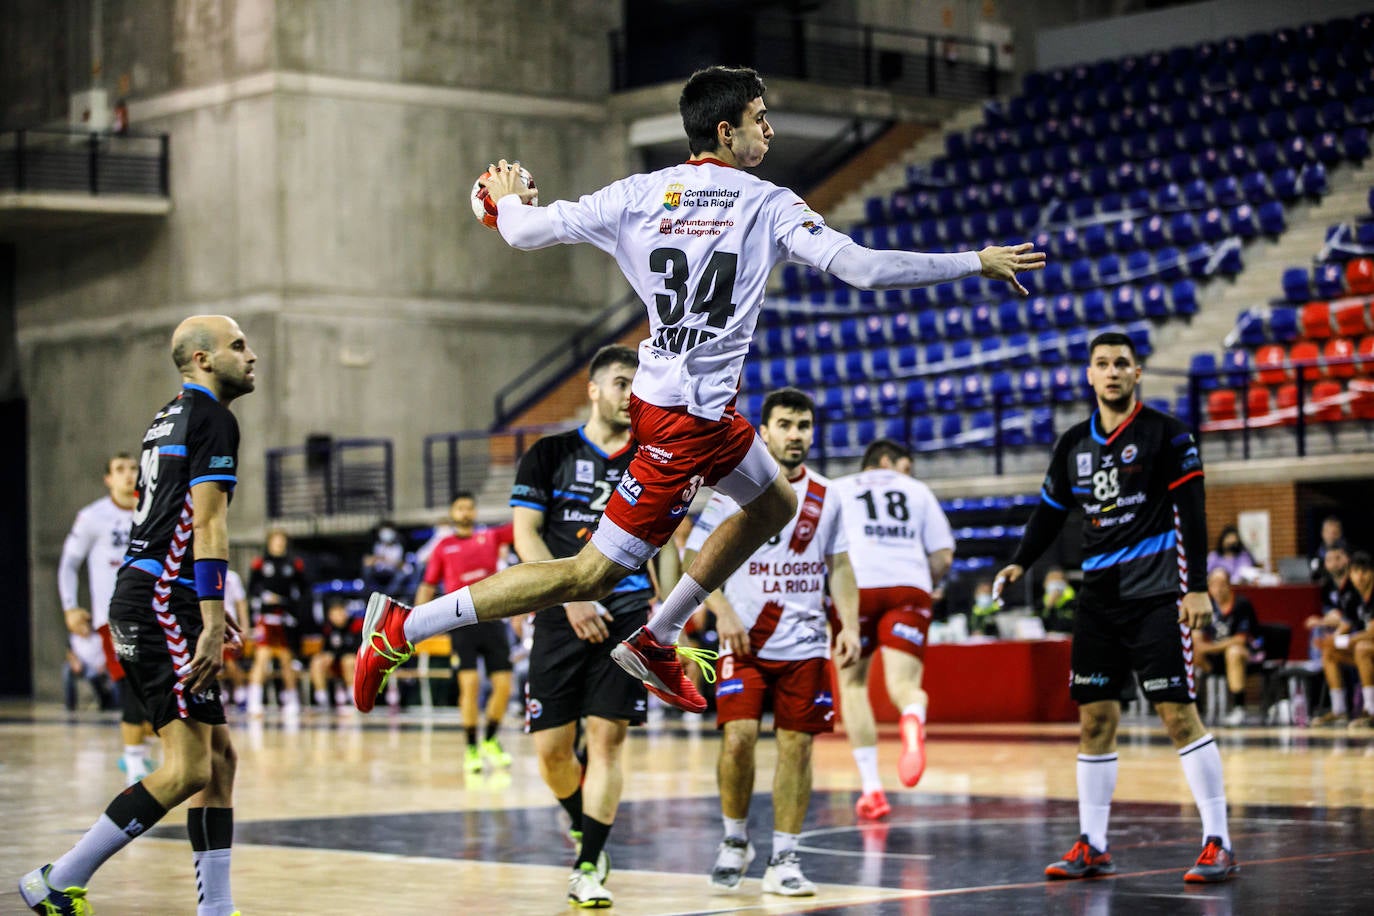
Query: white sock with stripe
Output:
(1096,785)
(1202,766)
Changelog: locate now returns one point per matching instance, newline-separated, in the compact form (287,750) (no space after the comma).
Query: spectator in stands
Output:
(119,119)
(277,590)
(1230,642)
(342,635)
(386,564)
(1351,642)
(1333,533)
(1058,603)
(984,607)
(1231,555)
(1332,630)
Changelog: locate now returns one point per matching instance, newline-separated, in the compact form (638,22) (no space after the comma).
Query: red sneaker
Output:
(1082,861)
(384,648)
(1217,863)
(912,763)
(872,805)
(661,671)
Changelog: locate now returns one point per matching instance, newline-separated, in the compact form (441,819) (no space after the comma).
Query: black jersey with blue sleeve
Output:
(570,480)
(193,439)
(1140,490)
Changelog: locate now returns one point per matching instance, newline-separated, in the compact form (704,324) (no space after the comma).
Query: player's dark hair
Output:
(612,355)
(1112,339)
(117,456)
(1361,559)
(462,494)
(789,398)
(879,449)
(713,95)
(1333,518)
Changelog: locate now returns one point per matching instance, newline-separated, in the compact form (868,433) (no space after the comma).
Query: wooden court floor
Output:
(374,815)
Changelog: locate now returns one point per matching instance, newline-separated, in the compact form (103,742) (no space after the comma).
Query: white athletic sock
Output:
(1202,766)
(915,709)
(867,760)
(103,840)
(321,697)
(134,757)
(677,609)
(736,827)
(212,882)
(1096,785)
(1368,700)
(1338,701)
(784,842)
(255,699)
(447,612)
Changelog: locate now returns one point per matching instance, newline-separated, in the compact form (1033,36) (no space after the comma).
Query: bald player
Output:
(168,624)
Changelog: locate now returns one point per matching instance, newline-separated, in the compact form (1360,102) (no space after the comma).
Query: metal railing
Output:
(51,159)
(331,477)
(835,53)
(464,460)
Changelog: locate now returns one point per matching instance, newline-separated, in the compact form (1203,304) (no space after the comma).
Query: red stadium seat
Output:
(1316,321)
(1271,363)
(1286,398)
(1336,349)
(1362,405)
(1306,353)
(1359,276)
(1257,402)
(1326,398)
(1221,405)
(1352,318)
(1365,352)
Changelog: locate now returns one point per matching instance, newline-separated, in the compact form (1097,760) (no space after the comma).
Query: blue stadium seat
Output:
(1153,301)
(1019,350)
(934,354)
(1124,237)
(1211,226)
(1062,388)
(1001,388)
(980,433)
(1123,304)
(1283,324)
(874,331)
(865,431)
(1139,332)
(855,366)
(1296,287)
(861,400)
(1152,232)
(1168,197)
(956,327)
(1243,222)
(1355,141)
(889,398)
(1328,281)
(778,372)
(1009,315)
(895,428)
(1095,240)
(1109,271)
(1076,341)
(1014,429)
(951,427)
(906,358)
(849,334)
(901,328)
(1065,315)
(822,338)
(1052,278)
(1255,187)
(880,360)
(1030,384)
(1038,313)
(1183,295)
(1182,229)
(1236,364)
(1081,274)
(1226,192)
(1042,426)
(915,395)
(1094,307)
(971,392)
(1313,180)
(791,279)
(829,369)
(961,351)
(945,395)
(1250,330)
(1203,366)
(1169,263)
(802,372)
(927,325)
(875,210)
(991,353)
(831,403)
(922,433)
(1049,348)
(1197,194)
(981,319)
(753,375)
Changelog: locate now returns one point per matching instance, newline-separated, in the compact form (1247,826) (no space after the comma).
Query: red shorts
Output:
(112,665)
(801,691)
(896,617)
(677,455)
(270,636)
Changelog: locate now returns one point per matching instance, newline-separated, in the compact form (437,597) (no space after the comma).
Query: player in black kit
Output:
(1137,476)
(168,624)
(561,488)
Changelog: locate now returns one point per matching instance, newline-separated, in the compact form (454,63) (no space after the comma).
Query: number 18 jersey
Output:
(893,524)
(697,242)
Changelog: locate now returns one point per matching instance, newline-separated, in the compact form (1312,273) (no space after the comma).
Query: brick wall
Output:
(1225,503)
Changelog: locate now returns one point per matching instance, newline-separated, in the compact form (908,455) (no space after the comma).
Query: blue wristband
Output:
(210,579)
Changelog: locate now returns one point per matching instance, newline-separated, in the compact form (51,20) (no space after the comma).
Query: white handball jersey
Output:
(100,538)
(697,242)
(893,523)
(779,592)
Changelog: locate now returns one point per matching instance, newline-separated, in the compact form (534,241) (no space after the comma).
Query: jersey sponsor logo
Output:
(726,688)
(580,517)
(1085,464)
(221,461)
(524,489)
(533,708)
(157,431)
(169,412)
(661,455)
(672,196)
(823,698)
(812,221)
(665,226)
(1161,683)
(1107,459)
(641,705)
(630,489)
(1128,453)
(1096,679)
(909,633)
(678,339)
(585,471)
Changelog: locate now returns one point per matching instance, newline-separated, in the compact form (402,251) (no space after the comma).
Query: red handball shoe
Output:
(912,763)
(872,806)
(1217,863)
(660,669)
(1082,861)
(384,649)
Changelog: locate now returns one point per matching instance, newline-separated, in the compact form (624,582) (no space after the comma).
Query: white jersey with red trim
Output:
(893,523)
(779,592)
(697,242)
(99,538)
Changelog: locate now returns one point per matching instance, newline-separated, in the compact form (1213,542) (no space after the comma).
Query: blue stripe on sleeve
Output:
(529,505)
(1045,496)
(230,478)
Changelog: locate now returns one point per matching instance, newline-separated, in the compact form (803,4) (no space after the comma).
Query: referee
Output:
(1137,476)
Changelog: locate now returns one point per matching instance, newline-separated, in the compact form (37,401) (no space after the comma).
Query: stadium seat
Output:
(1183,230)
(1257,402)
(1328,281)
(946,394)
(889,398)
(1285,184)
(1203,367)
(822,338)
(1153,301)
(1031,386)
(951,426)
(1038,314)
(1211,226)
(1296,285)
(1351,317)
(927,325)
(831,405)
(1327,398)
(1094,307)
(1335,355)
(753,406)
(880,363)
(901,328)
(1271,218)
(1359,276)
(803,372)
(1236,365)
(1139,332)
(837,436)
(971,393)
(922,432)
(907,359)
(1002,389)
(955,324)
(1286,399)
(1306,357)
(1123,304)
(849,334)
(1042,426)
(1221,405)
(1250,329)
(1081,274)
(855,366)
(1271,364)
(1077,345)
(1062,388)
(1243,221)
(865,431)
(1065,315)
(1316,321)
(1152,232)
(1009,316)
(934,354)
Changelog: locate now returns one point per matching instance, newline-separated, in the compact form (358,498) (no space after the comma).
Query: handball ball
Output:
(484,208)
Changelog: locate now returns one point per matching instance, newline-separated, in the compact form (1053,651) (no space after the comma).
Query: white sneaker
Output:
(784,876)
(1235,717)
(732,860)
(585,889)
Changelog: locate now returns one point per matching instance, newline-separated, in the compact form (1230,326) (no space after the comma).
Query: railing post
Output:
(931,68)
(868,55)
(20,179)
(992,68)
(452,468)
(92,162)
(390,480)
(164,164)
(1302,410)
(329,473)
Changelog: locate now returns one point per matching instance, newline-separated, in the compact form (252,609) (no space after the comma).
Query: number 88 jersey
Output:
(893,524)
(697,242)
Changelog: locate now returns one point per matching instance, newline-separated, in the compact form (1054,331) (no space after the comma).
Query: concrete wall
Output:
(322,156)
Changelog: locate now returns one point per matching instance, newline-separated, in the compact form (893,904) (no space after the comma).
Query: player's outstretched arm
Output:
(1004,262)
(867,268)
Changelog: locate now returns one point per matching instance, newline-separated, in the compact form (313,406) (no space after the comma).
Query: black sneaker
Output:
(1082,861)
(1217,863)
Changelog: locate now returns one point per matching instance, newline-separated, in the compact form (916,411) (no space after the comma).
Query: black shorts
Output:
(570,677)
(489,639)
(1145,637)
(145,643)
